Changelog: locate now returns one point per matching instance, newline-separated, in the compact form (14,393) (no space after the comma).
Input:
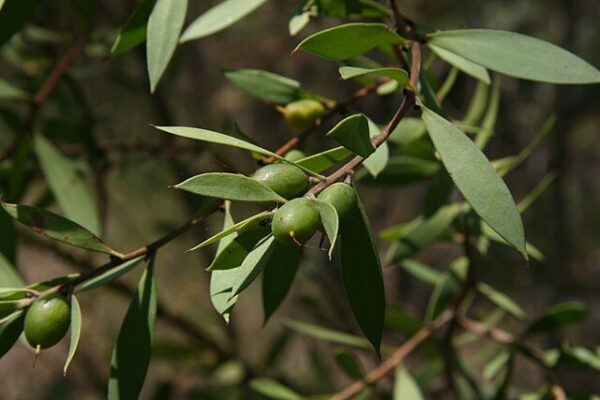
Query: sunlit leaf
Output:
(265,85)
(230,186)
(405,386)
(75,332)
(68,185)
(133,349)
(477,180)
(249,223)
(56,227)
(377,161)
(517,55)
(224,14)
(164,25)
(347,41)
(330,222)
(397,74)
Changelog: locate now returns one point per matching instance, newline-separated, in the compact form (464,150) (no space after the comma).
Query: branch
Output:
(41,96)
(396,358)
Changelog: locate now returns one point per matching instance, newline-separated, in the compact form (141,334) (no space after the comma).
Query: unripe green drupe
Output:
(294,155)
(47,321)
(284,179)
(341,196)
(296,222)
(303,113)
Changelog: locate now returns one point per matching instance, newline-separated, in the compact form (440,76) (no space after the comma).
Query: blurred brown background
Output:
(192,342)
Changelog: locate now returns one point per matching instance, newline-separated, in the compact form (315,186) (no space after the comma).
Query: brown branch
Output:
(41,96)
(396,358)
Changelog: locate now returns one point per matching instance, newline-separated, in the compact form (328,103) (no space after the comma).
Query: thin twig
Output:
(396,358)
(41,96)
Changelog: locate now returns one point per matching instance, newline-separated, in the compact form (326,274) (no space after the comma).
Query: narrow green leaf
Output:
(75,332)
(223,15)
(164,26)
(278,275)
(475,70)
(327,335)
(223,185)
(133,32)
(397,74)
(273,389)
(56,227)
(477,180)
(503,301)
(353,133)
(249,223)
(361,270)
(348,41)
(253,265)
(13,15)
(377,161)
(108,276)
(301,18)
(265,85)
(10,331)
(422,232)
(68,185)
(408,130)
(497,364)
(490,117)
(9,277)
(349,363)
(517,55)
(221,282)
(321,162)
(234,253)
(536,192)
(10,92)
(132,352)
(446,289)
(405,386)
(422,272)
(330,222)
(477,104)
(559,315)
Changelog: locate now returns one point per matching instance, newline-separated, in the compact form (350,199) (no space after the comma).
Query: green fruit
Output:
(294,155)
(47,321)
(303,113)
(284,179)
(296,222)
(341,196)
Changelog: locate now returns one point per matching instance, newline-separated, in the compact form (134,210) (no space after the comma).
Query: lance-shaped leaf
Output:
(353,133)
(445,290)
(477,180)
(108,276)
(328,335)
(252,265)
(559,315)
(13,14)
(377,161)
(68,185)
(10,92)
(133,32)
(223,185)
(501,300)
(361,270)
(221,282)
(278,275)
(466,66)
(330,221)
(517,55)
(397,74)
(56,227)
(75,332)
(273,389)
(234,253)
(265,85)
(133,350)
(164,26)
(10,330)
(219,17)
(348,41)
(405,386)
(321,162)
(250,223)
